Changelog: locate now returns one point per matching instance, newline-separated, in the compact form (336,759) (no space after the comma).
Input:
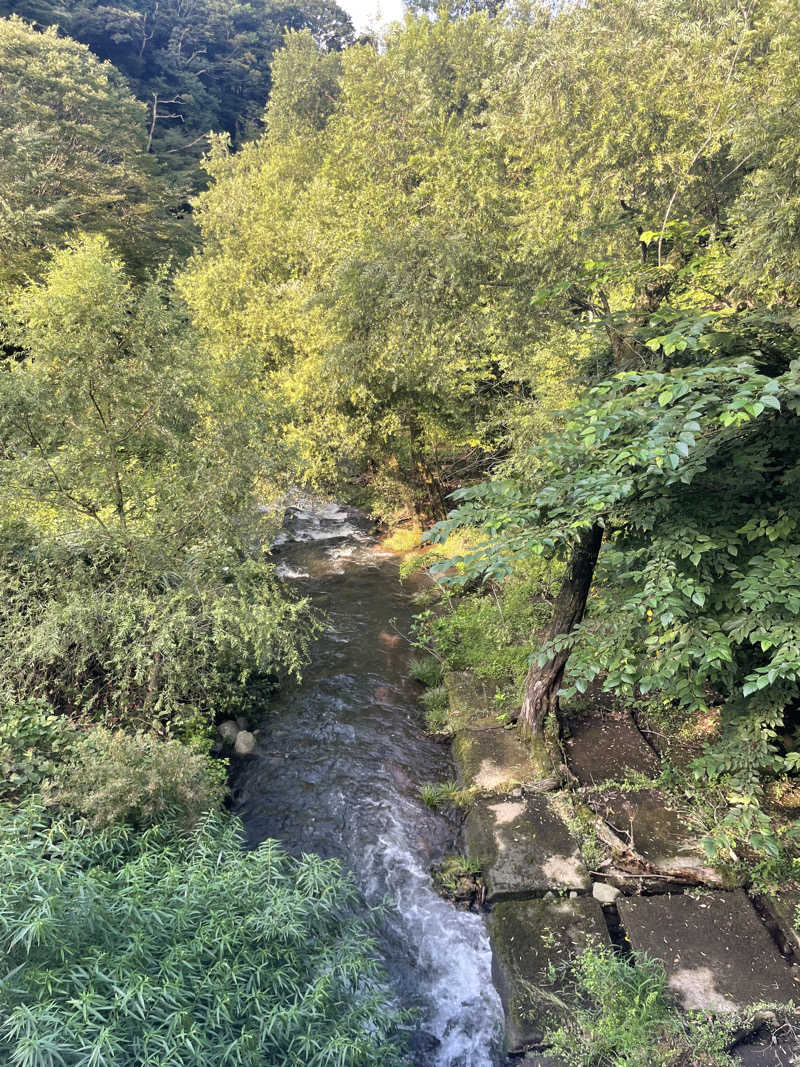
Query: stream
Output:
(337,772)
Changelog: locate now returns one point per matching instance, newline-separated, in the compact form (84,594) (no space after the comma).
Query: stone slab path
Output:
(531,938)
(525,847)
(607,748)
(659,834)
(717,952)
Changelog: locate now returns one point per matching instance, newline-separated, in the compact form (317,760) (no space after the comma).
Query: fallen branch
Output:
(632,862)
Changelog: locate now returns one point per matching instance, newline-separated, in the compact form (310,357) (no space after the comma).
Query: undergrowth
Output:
(622,1014)
(445,794)
(189,950)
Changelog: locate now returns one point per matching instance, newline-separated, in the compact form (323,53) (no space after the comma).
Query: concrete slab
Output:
(531,940)
(783,909)
(643,819)
(470,698)
(606,746)
(718,954)
(525,847)
(491,760)
(767,1052)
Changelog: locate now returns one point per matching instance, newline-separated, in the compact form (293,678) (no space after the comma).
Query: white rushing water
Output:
(338,770)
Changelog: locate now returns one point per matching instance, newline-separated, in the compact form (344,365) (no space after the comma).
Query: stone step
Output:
(491,759)
(718,954)
(768,1052)
(525,847)
(657,832)
(784,909)
(606,746)
(532,940)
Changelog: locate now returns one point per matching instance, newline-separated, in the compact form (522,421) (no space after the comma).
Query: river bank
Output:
(593,857)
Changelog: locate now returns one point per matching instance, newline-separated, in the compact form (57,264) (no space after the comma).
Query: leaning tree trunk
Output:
(542,683)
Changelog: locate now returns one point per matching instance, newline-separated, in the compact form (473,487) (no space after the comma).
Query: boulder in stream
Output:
(245,743)
(228,730)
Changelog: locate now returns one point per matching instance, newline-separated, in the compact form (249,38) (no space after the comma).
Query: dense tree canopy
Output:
(72,155)
(427,228)
(197,67)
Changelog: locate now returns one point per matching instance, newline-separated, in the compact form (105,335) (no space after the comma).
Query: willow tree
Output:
(73,155)
(131,581)
(365,250)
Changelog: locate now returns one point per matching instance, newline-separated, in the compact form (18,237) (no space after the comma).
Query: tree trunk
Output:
(542,683)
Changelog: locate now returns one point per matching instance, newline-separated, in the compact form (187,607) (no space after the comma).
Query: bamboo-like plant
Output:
(121,949)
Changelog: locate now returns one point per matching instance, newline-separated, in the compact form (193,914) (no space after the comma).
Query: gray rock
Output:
(607,745)
(531,941)
(658,833)
(606,894)
(227,731)
(782,909)
(242,722)
(245,743)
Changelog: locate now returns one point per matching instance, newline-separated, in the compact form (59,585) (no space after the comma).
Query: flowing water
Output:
(338,770)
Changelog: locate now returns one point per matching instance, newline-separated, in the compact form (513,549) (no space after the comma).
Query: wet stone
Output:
(525,847)
(245,743)
(531,941)
(658,833)
(228,730)
(767,1052)
(491,759)
(607,746)
(541,1059)
(718,954)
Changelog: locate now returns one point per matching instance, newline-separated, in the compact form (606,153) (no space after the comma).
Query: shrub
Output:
(437,709)
(445,794)
(32,741)
(152,949)
(622,1015)
(489,632)
(138,779)
(88,632)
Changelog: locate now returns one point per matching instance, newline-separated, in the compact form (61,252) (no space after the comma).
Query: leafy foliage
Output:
(145,648)
(123,949)
(691,469)
(132,581)
(491,631)
(625,1016)
(33,741)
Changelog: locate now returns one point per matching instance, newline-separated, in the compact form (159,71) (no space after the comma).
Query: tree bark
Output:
(542,683)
